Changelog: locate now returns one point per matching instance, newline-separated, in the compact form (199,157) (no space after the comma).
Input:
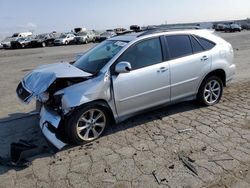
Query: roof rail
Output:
(158,29)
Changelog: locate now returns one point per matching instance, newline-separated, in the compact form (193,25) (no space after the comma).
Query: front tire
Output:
(210,91)
(86,124)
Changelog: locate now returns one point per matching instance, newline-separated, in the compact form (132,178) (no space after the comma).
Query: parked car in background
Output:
(79,29)
(21,42)
(43,40)
(220,27)
(85,37)
(6,42)
(119,30)
(81,38)
(1,46)
(65,39)
(124,76)
(135,28)
(23,34)
(246,26)
(233,28)
(105,35)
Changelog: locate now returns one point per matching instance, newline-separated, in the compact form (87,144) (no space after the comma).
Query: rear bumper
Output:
(49,123)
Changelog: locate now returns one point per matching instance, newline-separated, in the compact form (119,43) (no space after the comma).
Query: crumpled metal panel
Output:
(39,80)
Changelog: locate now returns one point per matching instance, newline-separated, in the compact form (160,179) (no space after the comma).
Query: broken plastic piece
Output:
(215,160)
(156,178)
(186,161)
(7,162)
(20,150)
(184,130)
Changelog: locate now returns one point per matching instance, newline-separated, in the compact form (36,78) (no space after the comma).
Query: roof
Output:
(127,37)
(156,32)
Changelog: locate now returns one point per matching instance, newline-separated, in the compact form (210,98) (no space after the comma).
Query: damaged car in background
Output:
(20,43)
(124,76)
(6,42)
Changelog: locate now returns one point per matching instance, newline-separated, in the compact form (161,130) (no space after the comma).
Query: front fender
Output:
(97,88)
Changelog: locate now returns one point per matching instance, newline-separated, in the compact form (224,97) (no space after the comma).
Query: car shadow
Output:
(25,126)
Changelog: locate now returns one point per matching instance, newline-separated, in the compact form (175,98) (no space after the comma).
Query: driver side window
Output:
(145,53)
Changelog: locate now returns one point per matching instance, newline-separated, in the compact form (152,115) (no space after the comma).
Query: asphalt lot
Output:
(219,140)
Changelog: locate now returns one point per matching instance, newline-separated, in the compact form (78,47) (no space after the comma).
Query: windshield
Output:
(94,60)
(41,36)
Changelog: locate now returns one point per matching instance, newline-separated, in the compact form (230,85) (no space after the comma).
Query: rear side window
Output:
(179,46)
(143,54)
(197,48)
(206,44)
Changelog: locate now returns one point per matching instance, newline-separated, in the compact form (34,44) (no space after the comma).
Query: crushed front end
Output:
(42,84)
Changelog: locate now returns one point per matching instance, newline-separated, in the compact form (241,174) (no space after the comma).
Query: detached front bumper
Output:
(49,123)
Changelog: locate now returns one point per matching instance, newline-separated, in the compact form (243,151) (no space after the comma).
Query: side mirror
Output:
(123,67)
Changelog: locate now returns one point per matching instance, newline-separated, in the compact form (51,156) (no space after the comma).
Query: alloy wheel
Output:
(91,124)
(212,91)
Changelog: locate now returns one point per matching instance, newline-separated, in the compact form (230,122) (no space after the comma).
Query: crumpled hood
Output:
(39,80)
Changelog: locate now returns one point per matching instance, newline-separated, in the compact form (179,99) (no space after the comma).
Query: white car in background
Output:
(5,43)
(65,39)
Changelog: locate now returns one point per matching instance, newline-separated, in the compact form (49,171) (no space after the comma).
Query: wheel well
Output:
(220,73)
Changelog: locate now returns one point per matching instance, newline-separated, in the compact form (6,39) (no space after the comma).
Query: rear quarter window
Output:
(206,44)
(197,48)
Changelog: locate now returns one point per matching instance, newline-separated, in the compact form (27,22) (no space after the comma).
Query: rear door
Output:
(147,84)
(189,62)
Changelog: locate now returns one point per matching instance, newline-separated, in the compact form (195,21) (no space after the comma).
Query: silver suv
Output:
(124,76)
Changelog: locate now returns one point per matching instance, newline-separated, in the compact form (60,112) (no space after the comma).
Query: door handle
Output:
(204,58)
(163,69)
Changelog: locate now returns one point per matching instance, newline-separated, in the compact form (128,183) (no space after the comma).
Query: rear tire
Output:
(86,124)
(210,91)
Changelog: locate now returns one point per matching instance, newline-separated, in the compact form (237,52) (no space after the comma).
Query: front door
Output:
(147,84)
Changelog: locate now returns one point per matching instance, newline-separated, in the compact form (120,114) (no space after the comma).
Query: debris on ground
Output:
(187,161)
(216,160)
(20,152)
(156,178)
(204,148)
(171,166)
(184,130)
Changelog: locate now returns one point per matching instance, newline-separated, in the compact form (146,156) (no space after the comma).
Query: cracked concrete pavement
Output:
(126,156)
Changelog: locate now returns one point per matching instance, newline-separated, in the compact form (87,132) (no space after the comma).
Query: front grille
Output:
(22,93)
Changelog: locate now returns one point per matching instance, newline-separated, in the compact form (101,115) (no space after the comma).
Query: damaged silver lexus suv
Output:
(125,75)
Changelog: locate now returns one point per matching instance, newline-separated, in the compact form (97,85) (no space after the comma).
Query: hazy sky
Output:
(64,15)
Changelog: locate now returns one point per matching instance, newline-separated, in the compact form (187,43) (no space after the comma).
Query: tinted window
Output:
(196,45)
(179,46)
(145,53)
(206,44)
